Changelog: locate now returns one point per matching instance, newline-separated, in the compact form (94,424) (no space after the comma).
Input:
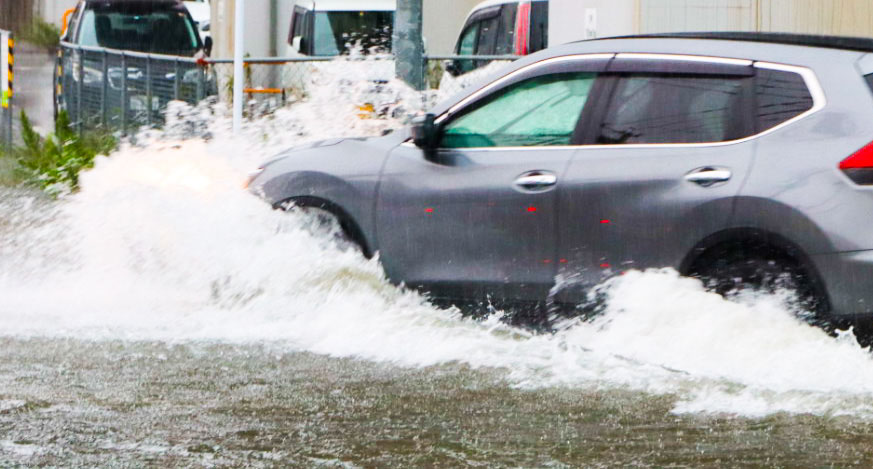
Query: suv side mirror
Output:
(207,45)
(424,132)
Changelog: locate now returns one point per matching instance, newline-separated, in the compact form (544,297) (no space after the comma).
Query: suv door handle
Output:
(709,176)
(536,181)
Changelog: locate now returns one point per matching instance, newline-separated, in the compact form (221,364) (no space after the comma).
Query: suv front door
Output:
(664,163)
(476,217)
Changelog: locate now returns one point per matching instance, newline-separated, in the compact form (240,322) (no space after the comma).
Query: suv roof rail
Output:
(862,44)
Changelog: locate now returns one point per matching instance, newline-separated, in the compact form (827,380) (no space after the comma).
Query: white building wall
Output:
(568,22)
(621,17)
(443,20)
(51,11)
(257,28)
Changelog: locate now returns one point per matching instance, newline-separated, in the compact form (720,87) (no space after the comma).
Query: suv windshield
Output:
(159,28)
(337,32)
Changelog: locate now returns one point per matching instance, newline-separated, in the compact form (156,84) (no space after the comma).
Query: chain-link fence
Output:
(106,88)
(451,74)
(274,82)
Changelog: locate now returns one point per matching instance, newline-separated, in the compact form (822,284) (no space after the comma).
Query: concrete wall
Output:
(573,20)
(442,23)
(443,20)
(51,11)
(620,17)
(840,17)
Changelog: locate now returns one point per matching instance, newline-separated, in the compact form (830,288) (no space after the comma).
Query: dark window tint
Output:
(869,79)
(539,26)
(487,36)
(781,96)
(506,30)
(655,108)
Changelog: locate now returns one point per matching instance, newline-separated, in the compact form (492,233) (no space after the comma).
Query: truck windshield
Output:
(139,26)
(338,32)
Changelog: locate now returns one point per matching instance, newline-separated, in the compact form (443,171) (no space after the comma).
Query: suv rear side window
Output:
(540,111)
(869,79)
(659,108)
(781,96)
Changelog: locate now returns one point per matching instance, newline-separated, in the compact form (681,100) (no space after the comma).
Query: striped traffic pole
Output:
(7,61)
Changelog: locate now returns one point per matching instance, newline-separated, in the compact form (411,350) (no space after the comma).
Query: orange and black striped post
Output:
(8,61)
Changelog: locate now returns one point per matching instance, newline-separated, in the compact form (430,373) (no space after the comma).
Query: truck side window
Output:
(487,36)
(539,26)
(506,30)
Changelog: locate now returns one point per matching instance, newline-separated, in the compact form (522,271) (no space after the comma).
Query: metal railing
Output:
(452,73)
(125,90)
(282,80)
(7,110)
(115,89)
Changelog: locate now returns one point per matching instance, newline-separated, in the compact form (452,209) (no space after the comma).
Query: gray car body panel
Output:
(786,184)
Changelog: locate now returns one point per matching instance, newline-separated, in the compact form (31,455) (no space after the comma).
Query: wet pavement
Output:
(73,403)
(34,68)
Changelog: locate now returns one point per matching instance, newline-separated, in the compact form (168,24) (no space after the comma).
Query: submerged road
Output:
(72,403)
(34,67)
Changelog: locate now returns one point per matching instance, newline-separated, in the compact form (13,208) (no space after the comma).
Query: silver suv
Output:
(741,158)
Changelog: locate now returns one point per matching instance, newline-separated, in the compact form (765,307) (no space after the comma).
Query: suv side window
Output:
(540,111)
(781,96)
(666,108)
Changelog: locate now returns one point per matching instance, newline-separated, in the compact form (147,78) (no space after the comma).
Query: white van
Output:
(334,27)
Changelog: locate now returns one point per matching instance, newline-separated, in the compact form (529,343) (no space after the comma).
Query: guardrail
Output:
(118,89)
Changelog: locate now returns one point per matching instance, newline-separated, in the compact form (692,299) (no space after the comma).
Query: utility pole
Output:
(238,73)
(408,46)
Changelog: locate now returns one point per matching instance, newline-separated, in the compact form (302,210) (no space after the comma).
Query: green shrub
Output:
(42,34)
(53,163)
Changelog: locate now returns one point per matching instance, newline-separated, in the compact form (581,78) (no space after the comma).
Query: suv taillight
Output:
(859,166)
(522,28)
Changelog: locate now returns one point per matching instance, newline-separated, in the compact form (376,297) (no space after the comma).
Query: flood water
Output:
(164,317)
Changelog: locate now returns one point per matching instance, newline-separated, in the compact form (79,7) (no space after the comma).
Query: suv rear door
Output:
(664,163)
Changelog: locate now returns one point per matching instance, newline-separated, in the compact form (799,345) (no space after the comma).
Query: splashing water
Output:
(162,243)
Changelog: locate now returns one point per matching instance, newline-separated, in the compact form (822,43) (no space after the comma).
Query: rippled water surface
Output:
(162,316)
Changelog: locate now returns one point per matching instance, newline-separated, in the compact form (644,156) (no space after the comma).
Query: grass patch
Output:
(53,162)
(8,169)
